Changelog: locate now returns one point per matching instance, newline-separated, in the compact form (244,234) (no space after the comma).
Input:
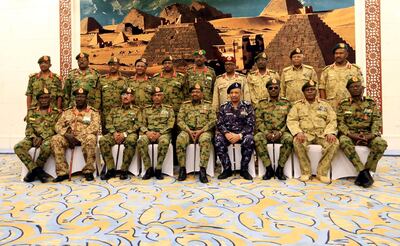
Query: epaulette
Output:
(369,98)
(180,74)
(156,74)
(219,76)
(148,106)
(95,110)
(298,101)
(68,108)
(326,67)
(187,102)
(57,76)
(206,101)
(167,105)
(246,102)
(104,76)
(32,75)
(284,98)
(345,100)
(225,103)
(263,99)
(355,65)
(286,69)
(308,66)
(271,71)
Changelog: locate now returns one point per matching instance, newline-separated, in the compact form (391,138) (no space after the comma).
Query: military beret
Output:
(196,86)
(261,55)
(296,51)
(229,59)
(127,90)
(80,91)
(235,85)
(156,89)
(113,59)
(168,58)
(141,60)
(199,53)
(81,55)
(308,84)
(42,92)
(43,59)
(273,82)
(352,80)
(340,46)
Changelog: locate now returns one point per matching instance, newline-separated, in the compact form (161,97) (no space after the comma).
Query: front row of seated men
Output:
(274,120)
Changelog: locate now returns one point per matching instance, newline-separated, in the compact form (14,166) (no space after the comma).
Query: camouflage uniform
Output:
(361,117)
(195,116)
(37,125)
(334,79)
(256,82)
(315,120)
(205,79)
(123,120)
(292,79)
(272,116)
(37,84)
(238,120)
(220,96)
(142,91)
(84,126)
(162,120)
(88,80)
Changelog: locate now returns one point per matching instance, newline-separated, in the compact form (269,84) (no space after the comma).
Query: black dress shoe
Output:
(124,175)
(246,175)
(60,178)
(279,173)
(89,176)
(158,174)
(30,177)
(225,174)
(368,177)
(40,173)
(360,180)
(269,173)
(109,174)
(203,175)
(149,173)
(182,174)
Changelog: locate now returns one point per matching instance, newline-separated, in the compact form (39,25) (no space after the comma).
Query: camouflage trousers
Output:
(328,151)
(284,152)
(183,141)
(59,144)
(163,144)
(108,141)
(247,148)
(377,146)
(22,148)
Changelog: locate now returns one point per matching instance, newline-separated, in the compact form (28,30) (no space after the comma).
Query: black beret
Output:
(127,90)
(340,46)
(235,85)
(296,52)
(80,91)
(273,82)
(308,84)
(141,60)
(81,55)
(43,59)
(168,58)
(353,80)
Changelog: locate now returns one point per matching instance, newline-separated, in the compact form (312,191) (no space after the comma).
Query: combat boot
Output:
(110,174)
(279,173)
(203,175)
(149,173)
(60,178)
(225,174)
(39,172)
(89,176)
(182,174)
(269,173)
(246,175)
(124,175)
(30,177)
(158,174)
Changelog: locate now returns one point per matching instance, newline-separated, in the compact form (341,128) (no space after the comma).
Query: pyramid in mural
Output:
(96,42)
(120,38)
(90,25)
(181,40)
(316,40)
(138,19)
(282,8)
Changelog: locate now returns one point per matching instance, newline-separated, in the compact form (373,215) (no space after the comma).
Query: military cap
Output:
(296,51)
(127,90)
(81,55)
(340,46)
(273,82)
(308,84)
(156,89)
(141,60)
(261,55)
(235,85)
(42,92)
(229,59)
(80,91)
(113,59)
(199,53)
(43,59)
(352,80)
(196,86)
(167,58)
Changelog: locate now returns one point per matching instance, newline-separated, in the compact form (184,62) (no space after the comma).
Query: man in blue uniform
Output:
(235,125)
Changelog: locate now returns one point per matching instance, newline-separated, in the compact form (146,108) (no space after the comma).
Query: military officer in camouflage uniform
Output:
(141,84)
(45,79)
(111,85)
(77,125)
(271,114)
(360,123)
(158,121)
(200,74)
(223,81)
(256,80)
(334,77)
(86,78)
(313,121)
(295,76)
(39,130)
(196,118)
(123,124)
(235,125)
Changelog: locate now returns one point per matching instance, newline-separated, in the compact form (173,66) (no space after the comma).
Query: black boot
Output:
(360,180)
(269,173)
(89,176)
(149,173)
(279,173)
(158,174)
(246,175)
(124,175)
(61,178)
(203,175)
(30,177)
(368,177)
(225,174)
(109,174)
(182,174)
(39,172)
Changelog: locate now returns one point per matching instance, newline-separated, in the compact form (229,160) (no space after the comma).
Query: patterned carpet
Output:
(231,212)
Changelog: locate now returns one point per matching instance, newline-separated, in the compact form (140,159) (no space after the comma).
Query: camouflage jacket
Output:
(36,84)
(158,119)
(111,92)
(142,91)
(41,125)
(78,122)
(271,115)
(196,116)
(122,119)
(256,82)
(205,78)
(173,89)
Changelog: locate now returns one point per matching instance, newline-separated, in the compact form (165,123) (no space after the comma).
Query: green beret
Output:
(308,84)
(156,89)
(199,53)
(80,91)
(195,86)
(168,58)
(261,55)
(141,60)
(352,80)
(81,55)
(235,85)
(113,59)
(43,59)
(296,51)
(127,90)
(273,82)
(42,92)
(340,46)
